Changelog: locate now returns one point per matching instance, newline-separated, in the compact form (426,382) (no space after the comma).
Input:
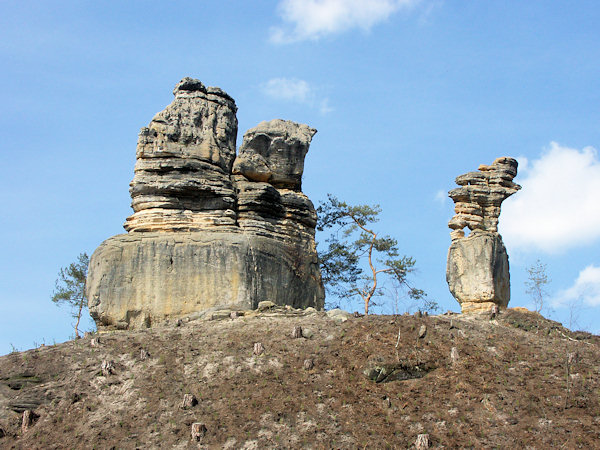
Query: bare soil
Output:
(520,381)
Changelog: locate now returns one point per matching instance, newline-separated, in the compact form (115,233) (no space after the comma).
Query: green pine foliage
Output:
(70,288)
(356,257)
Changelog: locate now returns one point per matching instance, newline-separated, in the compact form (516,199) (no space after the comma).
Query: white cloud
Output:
(313,19)
(324,107)
(441,196)
(297,91)
(559,205)
(586,288)
(288,89)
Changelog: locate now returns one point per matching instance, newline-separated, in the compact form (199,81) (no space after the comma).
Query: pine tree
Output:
(70,288)
(359,245)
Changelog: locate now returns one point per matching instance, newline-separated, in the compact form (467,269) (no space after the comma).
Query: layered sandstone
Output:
(268,179)
(183,164)
(209,230)
(477,268)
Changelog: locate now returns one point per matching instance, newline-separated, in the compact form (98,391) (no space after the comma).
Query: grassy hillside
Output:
(515,381)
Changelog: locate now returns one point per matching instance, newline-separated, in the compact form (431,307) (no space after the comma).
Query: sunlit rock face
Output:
(477,269)
(209,230)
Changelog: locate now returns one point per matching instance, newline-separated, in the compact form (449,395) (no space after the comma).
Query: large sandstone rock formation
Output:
(477,269)
(209,230)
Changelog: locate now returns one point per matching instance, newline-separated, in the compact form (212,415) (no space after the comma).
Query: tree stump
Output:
(297,332)
(108,368)
(95,342)
(259,349)
(198,431)
(387,402)
(494,312)
(189,401)
(28,417)
(454,355)
(308,364)
(422,442)
(144,354)
(422,331)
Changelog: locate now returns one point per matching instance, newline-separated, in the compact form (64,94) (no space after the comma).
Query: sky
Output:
(405,95)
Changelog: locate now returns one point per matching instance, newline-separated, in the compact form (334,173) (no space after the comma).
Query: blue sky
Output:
(405,94)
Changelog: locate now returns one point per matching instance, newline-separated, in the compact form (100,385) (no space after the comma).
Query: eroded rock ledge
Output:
(209,229)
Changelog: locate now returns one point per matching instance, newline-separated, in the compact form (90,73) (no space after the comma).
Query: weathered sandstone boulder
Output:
(478,199)
(477,270)
(274,152)
(139,279)
(209,230)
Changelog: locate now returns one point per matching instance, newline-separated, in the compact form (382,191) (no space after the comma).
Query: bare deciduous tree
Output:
(536,284)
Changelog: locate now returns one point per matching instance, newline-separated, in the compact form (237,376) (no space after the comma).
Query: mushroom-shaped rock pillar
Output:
(477,269)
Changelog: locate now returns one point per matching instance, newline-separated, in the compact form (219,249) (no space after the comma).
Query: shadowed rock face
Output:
(209,230)
(477,269)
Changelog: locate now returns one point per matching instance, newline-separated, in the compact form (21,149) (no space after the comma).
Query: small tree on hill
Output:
(341,262)
(70,288)
(536,284)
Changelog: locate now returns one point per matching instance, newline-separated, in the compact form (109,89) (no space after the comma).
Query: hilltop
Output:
(514,381)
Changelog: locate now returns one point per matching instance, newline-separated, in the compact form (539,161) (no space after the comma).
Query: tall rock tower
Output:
(209,230)
(477,269)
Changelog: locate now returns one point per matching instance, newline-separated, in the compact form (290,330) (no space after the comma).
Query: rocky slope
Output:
(514,381)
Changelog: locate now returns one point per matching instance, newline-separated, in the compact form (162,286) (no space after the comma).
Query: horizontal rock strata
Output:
(184,157)
(478,199)
(209,229)
(268,176)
